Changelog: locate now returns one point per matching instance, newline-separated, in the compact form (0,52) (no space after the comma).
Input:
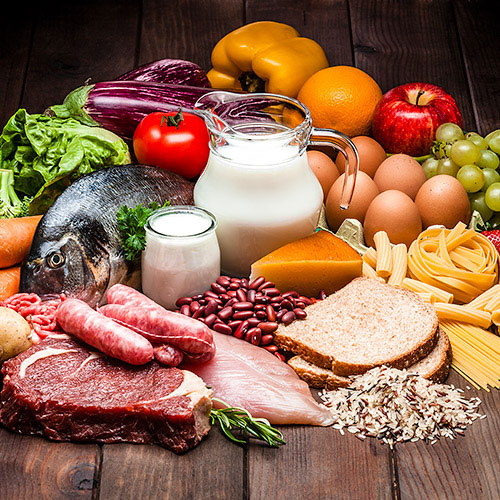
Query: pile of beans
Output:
(250,311)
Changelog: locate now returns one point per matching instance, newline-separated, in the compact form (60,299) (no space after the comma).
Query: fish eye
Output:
(55,259)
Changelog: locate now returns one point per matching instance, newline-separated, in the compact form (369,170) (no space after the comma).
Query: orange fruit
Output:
(343,98)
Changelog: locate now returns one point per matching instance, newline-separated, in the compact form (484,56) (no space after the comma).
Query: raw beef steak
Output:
(64,391)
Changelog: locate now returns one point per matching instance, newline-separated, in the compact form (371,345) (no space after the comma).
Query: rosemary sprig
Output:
(231,418)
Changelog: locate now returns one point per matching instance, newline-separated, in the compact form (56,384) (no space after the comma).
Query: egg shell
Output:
(371,155)
(443,200)
(401,172)
(324,169)
(395,213)
(364,192)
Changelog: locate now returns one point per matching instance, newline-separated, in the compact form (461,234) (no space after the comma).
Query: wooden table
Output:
(48,51)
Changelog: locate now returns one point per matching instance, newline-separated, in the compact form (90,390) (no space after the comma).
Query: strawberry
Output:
(494,236)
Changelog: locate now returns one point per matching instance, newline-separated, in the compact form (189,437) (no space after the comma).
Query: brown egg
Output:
(371,155)
(395,213)
(364,192)
(324,169)
(401,172)
(443,200)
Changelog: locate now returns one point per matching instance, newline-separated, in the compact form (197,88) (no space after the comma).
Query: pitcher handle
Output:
(342,143)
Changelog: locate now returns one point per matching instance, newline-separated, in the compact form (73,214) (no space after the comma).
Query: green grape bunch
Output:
(474,161)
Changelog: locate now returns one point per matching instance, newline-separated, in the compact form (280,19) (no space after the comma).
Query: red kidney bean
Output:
(226,313)
(286,304)
(210,319)
(271,348)
(292,294)
(288,317)
(242,314)
(231,301)
(194,306)
(222,328)
(255,336)
(198,296)
(233,286)
(223,281)
(234,324)
(224,297)
(266,284)
(268,326)
(241,330)
(279,356)
(253,321)
(210,295)
(276,300)
(185,310)
(300,313)
(217,288)
(306,300)
(261,315)
(211,308)
(254,285)
(280,314)
(241,295)
(250,296)
(266,339)
(271,292)
(242,306)
(199,312)
(183,301)
(322,295)
(244,283)
(232,294)
(271,314)
(259,307)
(300,304)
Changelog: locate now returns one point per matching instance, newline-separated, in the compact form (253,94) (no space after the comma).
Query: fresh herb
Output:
(10,204)
(238,419)
(131,222)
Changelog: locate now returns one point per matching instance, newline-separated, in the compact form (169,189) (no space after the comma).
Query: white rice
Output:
(398,406)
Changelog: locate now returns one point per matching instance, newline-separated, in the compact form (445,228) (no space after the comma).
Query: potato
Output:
(15,334)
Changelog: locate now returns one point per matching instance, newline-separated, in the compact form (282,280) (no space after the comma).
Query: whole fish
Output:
(76,249)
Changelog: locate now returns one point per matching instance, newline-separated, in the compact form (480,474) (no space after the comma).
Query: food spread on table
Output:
(181,249)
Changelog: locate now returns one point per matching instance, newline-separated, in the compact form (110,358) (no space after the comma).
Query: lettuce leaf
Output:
(47,153)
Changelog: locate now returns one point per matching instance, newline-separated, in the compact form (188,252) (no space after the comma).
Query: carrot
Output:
(15,239)
(9,281)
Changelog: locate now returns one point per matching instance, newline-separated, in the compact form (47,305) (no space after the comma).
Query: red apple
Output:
(406,119)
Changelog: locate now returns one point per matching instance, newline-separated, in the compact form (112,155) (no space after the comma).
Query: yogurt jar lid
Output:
(181,221)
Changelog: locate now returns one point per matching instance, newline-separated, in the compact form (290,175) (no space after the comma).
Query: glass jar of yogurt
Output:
(182,256)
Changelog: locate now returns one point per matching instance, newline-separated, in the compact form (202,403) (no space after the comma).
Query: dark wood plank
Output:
(320,463)
(15,38)
(33,467)
(325,21)
(213,470)
(186,29)
(401,42)
(478,25)
(466,467)
(77,41)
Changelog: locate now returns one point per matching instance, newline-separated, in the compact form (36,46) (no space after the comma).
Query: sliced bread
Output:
(365,324)
(435,366)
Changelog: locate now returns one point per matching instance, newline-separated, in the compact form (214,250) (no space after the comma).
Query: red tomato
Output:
(177,142)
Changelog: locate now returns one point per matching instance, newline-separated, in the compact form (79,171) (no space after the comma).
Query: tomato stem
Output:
(172,120)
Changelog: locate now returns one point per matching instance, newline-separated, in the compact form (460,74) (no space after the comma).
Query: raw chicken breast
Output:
(249,377)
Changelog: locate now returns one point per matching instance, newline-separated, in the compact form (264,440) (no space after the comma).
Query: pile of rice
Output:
(398,406)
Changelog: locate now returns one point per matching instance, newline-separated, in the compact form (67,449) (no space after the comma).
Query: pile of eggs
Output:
(391,194)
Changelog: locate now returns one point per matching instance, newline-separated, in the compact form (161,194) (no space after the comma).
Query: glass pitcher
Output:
(257,181)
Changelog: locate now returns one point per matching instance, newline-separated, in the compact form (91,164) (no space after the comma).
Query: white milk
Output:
(181,257)
(262,195)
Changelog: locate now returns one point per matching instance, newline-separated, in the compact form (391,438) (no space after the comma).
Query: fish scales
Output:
(76,249)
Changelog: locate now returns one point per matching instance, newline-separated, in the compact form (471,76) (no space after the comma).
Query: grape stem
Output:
(420,159)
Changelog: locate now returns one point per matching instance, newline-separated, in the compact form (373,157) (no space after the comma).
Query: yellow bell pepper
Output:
(265,56)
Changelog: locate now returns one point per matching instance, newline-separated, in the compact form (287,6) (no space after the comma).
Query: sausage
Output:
(128,296)
(168,355)
(162,326)
(79,319)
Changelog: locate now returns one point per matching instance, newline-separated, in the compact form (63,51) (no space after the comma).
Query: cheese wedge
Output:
(318,262)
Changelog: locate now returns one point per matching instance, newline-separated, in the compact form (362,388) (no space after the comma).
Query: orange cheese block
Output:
(318,262)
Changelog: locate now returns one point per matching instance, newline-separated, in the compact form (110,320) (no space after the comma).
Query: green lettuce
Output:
(46,154)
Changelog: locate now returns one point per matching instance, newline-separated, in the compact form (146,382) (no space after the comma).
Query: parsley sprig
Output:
(231,418)
(131,223)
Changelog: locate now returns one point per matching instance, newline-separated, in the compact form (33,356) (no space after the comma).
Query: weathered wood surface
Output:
(51,49)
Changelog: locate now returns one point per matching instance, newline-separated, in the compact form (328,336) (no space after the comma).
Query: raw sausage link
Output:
(79,319)
(168,355)
(162,326)
(128,296)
